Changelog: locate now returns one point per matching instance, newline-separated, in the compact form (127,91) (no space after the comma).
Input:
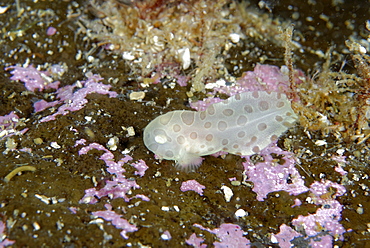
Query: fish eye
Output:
(160,139)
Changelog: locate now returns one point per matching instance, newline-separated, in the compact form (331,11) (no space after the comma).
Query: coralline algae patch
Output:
(229,235)
(321,228)
(9,124)
(119,186)
(71,98)
(318,229)
(3,239)
(271,176)
(192,185)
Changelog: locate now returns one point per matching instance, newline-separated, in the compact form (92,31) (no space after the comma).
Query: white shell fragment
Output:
(235,38)
(55,145)
(320,142)
(240,213)
(244,124)
(228,193)
(184,55)
(3,9)
(128,56)
(112,143)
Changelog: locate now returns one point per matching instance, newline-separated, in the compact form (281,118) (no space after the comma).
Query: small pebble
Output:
(137,95)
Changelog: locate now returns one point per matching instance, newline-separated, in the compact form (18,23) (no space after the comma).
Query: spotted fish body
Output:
(243,125)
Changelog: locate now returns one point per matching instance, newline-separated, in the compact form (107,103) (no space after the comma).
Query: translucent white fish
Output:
(243,124)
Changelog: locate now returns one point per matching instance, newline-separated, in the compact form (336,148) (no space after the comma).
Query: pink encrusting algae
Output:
(51,31)
(116,220)
(228,235)
(327,216)
(8,125)
(69,98)
(286,235)
(271,176)
(195,241)
(118,187)
(72,99)
(33,78)
(192,185)
(297,203)
(140,167)
(321,228)
(4,242)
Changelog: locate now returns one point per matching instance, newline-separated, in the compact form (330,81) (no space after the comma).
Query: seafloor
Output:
(47,208)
